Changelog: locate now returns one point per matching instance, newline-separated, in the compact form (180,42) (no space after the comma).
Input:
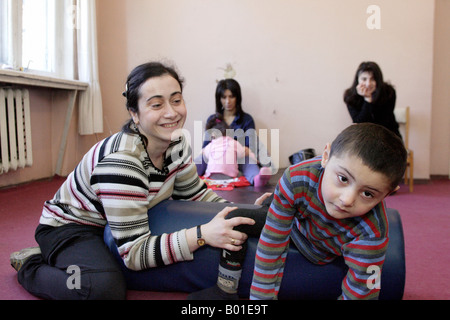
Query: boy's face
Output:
(349,187)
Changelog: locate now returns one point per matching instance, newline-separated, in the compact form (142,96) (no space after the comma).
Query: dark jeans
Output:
(75,264)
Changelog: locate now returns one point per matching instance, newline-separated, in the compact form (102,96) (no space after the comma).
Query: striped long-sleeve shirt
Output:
(116,183)
(298,213)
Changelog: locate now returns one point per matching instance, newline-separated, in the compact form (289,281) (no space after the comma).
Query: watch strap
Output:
(200,240)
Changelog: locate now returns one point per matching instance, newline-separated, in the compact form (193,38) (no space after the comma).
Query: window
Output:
(38,35)
(33,36)
(58,38)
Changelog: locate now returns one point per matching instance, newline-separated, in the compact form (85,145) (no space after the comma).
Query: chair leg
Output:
(411,170)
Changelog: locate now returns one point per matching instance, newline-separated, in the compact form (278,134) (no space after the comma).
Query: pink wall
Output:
(440,120)
(293,62)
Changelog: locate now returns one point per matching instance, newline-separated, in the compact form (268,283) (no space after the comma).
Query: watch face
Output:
(200,242)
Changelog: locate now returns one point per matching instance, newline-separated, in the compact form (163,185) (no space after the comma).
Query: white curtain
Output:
(90,101)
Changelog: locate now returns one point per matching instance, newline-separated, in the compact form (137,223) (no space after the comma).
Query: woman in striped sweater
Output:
(117,182)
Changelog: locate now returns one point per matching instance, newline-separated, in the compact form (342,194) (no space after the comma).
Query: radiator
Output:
(15,130)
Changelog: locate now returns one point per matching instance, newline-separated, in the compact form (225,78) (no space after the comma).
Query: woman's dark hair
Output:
(377,147)
(235,88)
(351,96)
(136,79)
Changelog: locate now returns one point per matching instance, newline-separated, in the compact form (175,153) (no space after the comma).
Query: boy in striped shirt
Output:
(333,206)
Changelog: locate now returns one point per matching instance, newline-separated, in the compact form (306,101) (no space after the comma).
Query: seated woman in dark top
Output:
(228,99)
(370,99)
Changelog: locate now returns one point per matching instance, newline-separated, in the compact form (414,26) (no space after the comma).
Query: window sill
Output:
(29,79)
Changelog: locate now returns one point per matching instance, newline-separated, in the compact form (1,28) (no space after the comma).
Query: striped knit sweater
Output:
(298,213)
(116,183)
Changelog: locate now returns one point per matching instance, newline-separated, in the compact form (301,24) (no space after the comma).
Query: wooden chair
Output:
(402,117)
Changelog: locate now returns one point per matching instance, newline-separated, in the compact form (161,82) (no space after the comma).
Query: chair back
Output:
(402,117)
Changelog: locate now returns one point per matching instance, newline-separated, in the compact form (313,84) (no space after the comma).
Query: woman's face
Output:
(366,80)
(228,101)
(162,111)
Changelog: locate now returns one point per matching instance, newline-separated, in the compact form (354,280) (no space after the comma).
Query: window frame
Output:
(11,41)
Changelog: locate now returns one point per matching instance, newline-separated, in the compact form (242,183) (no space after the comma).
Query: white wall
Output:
(293,58)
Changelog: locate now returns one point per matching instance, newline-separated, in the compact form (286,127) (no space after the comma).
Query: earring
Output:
(135,128)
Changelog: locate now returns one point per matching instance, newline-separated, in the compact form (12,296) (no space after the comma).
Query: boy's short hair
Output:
(378,148)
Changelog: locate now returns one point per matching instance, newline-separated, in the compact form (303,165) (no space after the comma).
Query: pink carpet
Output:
(425,215)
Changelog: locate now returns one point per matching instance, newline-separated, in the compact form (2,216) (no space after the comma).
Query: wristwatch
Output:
(200,240)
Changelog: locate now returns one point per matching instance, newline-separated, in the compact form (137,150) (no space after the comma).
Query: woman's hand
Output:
(219,231)
(365,92)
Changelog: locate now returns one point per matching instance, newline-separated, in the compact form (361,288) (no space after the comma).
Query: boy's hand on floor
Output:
(261,199)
